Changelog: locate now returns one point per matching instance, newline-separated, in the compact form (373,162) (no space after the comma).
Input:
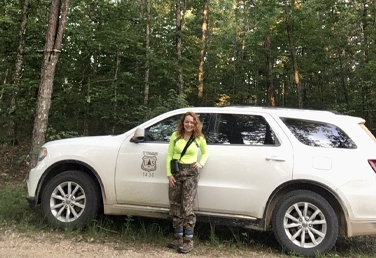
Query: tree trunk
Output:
(4,82)
(268,66)
(293,54)
(86,116)
(343,78)
(18,70)
(114,84)
(234,50)
(283,92)
(54,36)
(142,4)
(147,51)
(374,12)
(180,13)
(204,29)
(366,80)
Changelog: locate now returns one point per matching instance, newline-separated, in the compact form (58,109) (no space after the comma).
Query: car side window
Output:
(240,129)
(161,131)
(319,134)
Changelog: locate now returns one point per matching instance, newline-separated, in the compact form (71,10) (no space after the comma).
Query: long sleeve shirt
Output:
(176,148)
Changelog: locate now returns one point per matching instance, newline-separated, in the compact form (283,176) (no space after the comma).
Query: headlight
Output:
(42,154)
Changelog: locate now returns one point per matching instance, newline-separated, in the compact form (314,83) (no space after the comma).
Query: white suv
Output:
(310,175)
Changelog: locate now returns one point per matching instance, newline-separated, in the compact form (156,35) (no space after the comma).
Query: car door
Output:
(141,167)
(249,157)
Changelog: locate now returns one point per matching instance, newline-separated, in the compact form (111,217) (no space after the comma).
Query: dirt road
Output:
(31,245)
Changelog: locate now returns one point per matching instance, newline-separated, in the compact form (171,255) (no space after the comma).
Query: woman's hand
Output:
(197,165)
(171,181)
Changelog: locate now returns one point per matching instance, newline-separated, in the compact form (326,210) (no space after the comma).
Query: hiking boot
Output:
(187,246)
(176,242)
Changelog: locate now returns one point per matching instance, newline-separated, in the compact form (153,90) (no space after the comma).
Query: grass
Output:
(16,214)
(14,209)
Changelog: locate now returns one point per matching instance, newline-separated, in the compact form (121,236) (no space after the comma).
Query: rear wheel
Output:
(71,199)
(305,223)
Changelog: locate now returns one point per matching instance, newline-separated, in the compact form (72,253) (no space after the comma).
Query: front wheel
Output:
(305,223)
(70,200)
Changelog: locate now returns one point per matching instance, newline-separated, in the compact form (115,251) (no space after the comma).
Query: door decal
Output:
(149,161)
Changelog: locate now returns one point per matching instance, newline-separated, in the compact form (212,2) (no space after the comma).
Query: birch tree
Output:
(180,14)
(53,41)
(290,37)
(268,66)
(147,50)
(204,29)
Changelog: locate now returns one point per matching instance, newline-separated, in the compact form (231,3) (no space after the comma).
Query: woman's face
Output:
(189,124)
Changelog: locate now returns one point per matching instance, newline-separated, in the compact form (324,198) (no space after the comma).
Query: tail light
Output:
(372,162)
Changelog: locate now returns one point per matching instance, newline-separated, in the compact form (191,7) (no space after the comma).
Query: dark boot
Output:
(187,246)
(176,242)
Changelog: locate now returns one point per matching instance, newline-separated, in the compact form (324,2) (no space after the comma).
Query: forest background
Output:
(122,62)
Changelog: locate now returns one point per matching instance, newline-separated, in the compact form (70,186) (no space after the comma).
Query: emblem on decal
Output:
(149,163)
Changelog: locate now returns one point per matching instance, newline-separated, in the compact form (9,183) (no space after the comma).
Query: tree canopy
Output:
(314,54)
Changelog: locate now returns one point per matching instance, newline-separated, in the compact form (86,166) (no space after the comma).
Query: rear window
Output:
(319,134)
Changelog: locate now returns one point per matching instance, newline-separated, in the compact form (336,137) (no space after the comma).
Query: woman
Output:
(183,184)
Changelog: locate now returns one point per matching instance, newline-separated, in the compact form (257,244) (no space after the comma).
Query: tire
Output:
(70,200)
(305,223)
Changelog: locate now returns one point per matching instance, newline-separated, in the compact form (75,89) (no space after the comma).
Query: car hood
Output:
(91,149)
(92,143)
(82,140)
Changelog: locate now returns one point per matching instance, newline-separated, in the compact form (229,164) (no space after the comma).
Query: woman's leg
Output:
(174,194)
(189,191)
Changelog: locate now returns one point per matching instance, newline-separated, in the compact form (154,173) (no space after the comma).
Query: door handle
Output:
(275,158)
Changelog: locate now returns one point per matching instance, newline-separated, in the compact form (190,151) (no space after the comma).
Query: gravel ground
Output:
(27,245)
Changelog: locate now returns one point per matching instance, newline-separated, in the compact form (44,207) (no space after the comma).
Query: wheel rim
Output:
(67,202)
(305,225)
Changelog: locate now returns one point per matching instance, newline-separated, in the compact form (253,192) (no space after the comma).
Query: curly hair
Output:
(198,126)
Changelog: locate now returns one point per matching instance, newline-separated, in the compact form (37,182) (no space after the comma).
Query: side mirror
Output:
(139,135)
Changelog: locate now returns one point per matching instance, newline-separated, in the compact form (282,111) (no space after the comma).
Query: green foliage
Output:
(11,205)
(52,134)
(100,77)
(173,101)
(127,227)
(213,237)
(100,228)
(146,230)
(14,208)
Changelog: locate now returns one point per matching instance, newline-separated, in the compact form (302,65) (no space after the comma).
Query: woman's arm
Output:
(204,151)
(170,153)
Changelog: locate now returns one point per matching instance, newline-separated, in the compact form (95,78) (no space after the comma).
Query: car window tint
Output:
(318,134)
(205,120)
(240,129)
(161,131)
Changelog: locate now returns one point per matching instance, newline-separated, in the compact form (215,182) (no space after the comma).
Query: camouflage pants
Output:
(182,197)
